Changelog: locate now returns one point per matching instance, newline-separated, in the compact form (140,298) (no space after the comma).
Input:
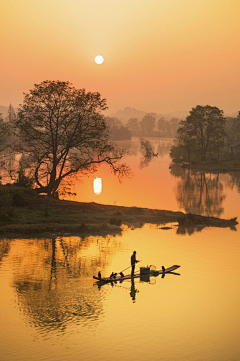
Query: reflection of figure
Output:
(133,262)
(133,290)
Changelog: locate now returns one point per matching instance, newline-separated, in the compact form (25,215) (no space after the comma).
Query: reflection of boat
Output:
(163,271)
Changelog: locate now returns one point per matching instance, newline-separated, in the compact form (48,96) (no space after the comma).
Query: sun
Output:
(99,59)
(97,185)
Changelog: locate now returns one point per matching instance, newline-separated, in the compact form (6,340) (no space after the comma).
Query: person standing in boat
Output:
(133,262)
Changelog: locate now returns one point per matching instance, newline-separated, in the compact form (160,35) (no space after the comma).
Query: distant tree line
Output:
(60,131)
(148,126)
(205,134)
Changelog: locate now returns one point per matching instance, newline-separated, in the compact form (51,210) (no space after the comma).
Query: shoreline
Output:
(221,166)
(32,215)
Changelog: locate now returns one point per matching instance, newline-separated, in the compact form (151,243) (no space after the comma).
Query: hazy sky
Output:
(160,55)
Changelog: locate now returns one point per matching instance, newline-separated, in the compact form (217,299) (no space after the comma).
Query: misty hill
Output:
(128,113)
(125,114)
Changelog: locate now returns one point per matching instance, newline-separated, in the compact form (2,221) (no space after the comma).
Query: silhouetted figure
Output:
(121,274)
(133,262)
(99,275)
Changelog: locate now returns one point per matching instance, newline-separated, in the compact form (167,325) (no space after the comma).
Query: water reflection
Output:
(49,277)
(4,249)
(151,148)
(233,180)
(133,290)
(189,229)
(199,192)
(75,320)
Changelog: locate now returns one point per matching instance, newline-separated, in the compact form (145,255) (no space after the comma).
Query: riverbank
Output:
(23,212)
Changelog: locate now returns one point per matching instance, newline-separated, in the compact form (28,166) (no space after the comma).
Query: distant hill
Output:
(128,113)
(125,114)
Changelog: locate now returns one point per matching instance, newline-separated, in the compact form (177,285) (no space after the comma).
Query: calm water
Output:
(50,308)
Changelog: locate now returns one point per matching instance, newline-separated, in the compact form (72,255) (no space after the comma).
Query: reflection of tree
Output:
(4,249)
(50,279)
(233,180)
(164,148)
(150,149)
(189,229)
(199,193)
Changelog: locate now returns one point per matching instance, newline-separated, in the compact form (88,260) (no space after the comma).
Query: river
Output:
(51,308)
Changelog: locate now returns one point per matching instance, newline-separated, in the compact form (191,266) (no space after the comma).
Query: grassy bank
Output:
(23,212)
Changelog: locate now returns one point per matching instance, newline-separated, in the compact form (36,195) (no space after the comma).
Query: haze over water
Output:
(51,308)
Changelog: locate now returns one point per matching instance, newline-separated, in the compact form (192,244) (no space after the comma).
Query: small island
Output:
(208,141)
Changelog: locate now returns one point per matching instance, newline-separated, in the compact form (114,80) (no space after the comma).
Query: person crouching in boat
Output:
(133,262)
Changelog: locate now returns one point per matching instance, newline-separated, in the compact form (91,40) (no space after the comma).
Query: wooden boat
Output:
(163,271)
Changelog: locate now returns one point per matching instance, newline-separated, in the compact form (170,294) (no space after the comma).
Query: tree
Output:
(203,131)
(236,127)
(133,126)
(161,126)
(11,114)
(147,123)
(233,129)
(63,132)
(174,125)
(4,134)
(185,138)
(117,130)
(208,128)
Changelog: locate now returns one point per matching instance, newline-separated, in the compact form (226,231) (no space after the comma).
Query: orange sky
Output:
(160,55)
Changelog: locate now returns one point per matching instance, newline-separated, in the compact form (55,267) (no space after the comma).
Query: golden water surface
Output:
(52,309)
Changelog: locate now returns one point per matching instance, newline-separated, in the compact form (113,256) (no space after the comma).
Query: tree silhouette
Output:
(63,132)
(203,132)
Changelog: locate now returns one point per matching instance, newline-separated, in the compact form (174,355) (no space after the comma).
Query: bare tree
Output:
(63,132)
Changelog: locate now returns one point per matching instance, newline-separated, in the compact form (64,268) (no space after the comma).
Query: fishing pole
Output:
(128,267)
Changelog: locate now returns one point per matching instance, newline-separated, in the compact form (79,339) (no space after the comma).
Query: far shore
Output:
(212,166)
(28,214)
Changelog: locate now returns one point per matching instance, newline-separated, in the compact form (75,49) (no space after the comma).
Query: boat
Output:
(162,271)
